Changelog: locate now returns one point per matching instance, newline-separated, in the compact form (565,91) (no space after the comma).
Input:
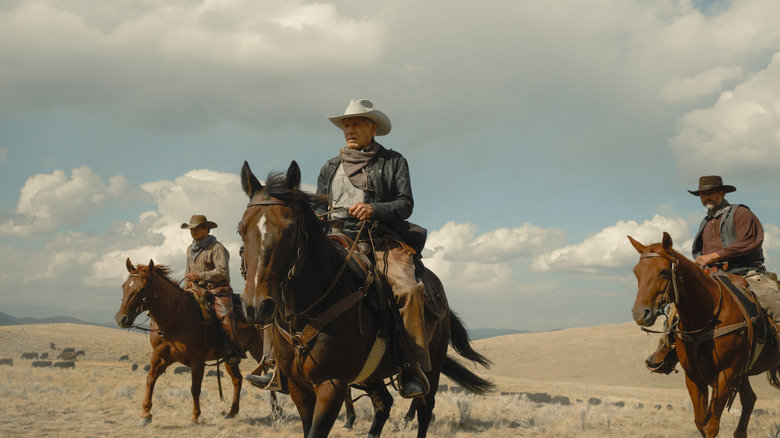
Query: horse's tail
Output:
(465,378)
(773,376)
(461,341)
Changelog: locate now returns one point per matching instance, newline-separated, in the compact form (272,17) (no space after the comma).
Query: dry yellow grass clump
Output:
(586,382)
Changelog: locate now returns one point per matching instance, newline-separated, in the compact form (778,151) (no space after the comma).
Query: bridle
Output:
(145,292)
(300,235)
(675,283)
(301,339)
(140,308)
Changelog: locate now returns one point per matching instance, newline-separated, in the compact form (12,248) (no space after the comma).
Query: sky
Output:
(538,134)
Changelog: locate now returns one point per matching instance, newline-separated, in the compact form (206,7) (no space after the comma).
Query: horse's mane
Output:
(163,271)
(278,187)
(658,248)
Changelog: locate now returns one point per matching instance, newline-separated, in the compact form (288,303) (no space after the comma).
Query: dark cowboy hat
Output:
(198,220)
(711,182)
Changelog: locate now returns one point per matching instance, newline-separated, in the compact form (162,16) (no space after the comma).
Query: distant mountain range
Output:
(6,319)
(484,333)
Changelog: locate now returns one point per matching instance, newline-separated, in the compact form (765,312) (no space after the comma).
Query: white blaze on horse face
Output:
(263,230)
(131,284)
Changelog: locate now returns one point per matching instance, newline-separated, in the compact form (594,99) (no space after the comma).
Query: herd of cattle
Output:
(69,355)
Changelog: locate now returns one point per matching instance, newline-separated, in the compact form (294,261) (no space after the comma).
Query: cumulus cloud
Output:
(50,201)
(740,133)
(609,248)
(484,263)
(709,82)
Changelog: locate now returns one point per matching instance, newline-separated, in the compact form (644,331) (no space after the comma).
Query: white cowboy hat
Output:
(364,108)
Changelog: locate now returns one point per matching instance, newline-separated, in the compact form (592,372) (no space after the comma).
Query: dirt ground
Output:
(595,374)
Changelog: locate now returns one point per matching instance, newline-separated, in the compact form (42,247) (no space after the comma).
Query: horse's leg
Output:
(276,408)
(157,366)
(747,399)
(426,404)
(412,410)
(235,377)
(350,408)
(304,399)
(196,369)
(382,401)
(699,396)
(718,401)
(330,396)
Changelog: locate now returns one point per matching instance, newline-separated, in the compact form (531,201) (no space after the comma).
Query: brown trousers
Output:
(396,264)
(222,300)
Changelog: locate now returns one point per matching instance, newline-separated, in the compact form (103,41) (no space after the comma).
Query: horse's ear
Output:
(151,265)
(639,247)
(667,242)
(293,177)
(130,267)
(249,183)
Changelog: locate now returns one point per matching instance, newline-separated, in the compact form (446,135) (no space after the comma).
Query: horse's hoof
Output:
(229,416)
(144,421)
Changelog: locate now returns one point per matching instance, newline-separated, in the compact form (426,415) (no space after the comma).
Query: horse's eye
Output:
(665,273)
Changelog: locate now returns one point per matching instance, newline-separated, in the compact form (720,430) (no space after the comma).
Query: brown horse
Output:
(712,342)
(178,334)
(295,280)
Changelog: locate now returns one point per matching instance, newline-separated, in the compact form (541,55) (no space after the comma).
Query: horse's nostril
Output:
(266,309)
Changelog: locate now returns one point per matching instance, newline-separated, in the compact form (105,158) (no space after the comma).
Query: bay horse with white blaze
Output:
(715,342)
(295,278)
(179,333)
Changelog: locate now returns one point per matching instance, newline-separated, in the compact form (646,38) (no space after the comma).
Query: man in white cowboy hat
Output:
(730,238)
(207,270)
(372,183)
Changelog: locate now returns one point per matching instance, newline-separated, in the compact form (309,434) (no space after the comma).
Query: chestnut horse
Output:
(178,334)
(295,276)
(712,344)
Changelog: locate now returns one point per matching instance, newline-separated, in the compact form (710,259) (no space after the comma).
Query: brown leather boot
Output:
(663,360)
(223,306)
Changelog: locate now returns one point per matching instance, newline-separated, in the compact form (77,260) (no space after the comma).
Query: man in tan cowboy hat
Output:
(729,238)
(372,183)
(207,270)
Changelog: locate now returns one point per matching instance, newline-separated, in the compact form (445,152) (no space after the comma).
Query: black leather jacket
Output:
(390,195)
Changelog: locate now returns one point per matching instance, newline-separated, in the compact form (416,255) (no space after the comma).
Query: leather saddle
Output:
(435,300)
(748,301)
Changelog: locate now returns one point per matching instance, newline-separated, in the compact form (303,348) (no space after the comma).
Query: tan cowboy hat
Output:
(364,108)
(197,220)
(711,182)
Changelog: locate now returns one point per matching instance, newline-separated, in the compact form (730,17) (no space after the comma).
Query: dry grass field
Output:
(594,375)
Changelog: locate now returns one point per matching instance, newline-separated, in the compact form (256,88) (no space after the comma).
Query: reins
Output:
(699,336)
(675,283)
(159,330)
(316,324)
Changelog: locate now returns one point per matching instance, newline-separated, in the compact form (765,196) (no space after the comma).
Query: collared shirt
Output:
(344,193)
(211,264)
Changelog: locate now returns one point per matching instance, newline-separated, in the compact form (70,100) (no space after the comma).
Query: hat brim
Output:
(726,188)
(207,224)
(383,125)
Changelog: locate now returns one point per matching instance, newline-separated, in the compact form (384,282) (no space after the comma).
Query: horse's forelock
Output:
(277,187)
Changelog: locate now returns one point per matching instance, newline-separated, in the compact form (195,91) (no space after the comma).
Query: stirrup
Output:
(413,368)
(278,383)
